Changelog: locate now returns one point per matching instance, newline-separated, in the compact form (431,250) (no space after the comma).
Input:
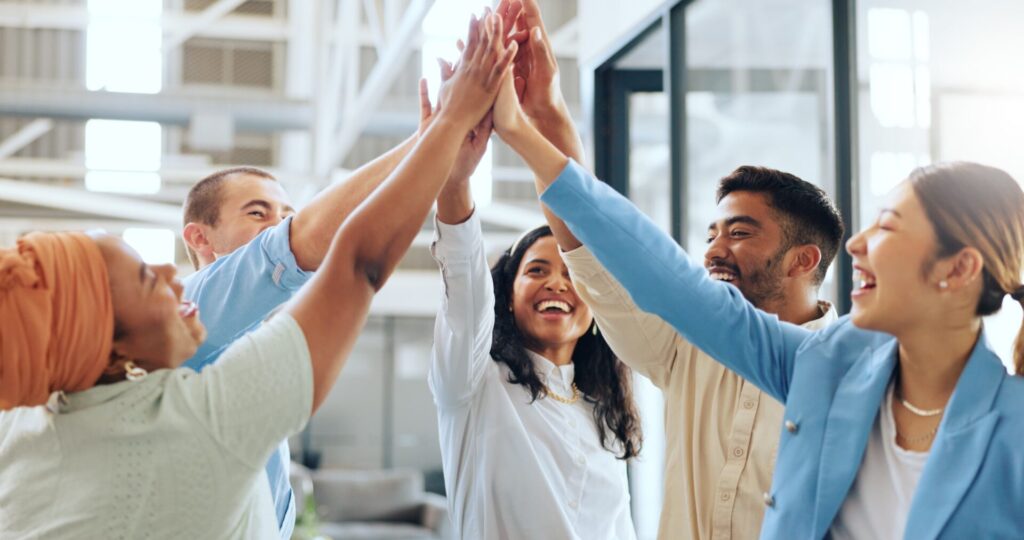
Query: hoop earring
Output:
(594,329)
(133,372)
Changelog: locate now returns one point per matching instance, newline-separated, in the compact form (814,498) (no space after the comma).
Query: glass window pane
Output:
(759,92)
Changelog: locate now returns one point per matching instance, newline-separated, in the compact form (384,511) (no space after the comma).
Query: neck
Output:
(797,307)
(559,355)
(930,362)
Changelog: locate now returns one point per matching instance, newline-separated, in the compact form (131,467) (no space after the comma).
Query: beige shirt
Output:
(722,431)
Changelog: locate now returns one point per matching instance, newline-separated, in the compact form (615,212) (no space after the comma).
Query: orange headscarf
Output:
(56,317)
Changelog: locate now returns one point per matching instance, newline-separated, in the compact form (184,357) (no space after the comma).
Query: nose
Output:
(717,250)
(169,273)
(557,283)
(856,244)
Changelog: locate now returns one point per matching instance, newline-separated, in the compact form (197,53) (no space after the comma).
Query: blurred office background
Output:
(111,109)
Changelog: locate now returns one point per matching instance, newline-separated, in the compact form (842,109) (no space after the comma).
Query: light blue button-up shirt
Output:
(235,294)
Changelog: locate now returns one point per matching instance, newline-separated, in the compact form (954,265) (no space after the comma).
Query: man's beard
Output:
(764,285)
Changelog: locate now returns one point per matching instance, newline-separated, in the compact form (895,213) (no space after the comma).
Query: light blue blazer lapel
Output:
(854,408)
(960,444)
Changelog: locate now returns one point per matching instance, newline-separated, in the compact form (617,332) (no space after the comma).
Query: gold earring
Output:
(133,372)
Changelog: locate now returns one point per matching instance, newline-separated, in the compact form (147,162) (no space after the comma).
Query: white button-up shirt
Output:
(514,468)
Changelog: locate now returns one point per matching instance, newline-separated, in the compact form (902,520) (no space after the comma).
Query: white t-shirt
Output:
(879,501)
(514,468)
(178,454)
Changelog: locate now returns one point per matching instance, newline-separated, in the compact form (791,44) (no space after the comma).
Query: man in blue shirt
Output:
(253,251)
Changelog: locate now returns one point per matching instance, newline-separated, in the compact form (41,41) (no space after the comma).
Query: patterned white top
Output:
(175,455)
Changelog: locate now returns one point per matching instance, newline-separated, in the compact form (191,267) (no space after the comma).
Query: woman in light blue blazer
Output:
(900,420)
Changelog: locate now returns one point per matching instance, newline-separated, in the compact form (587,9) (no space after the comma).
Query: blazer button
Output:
(769,501)
(791,426)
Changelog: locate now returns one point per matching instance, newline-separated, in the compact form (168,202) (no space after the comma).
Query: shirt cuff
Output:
(278,247)
(456,242)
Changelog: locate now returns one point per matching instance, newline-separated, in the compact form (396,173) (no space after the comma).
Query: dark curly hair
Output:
(602,378)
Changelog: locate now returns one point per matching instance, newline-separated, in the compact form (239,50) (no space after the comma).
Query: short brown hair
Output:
(808,215)
(202,205)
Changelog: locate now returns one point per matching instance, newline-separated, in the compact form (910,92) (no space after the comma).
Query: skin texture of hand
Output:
(536,69)
(474,84)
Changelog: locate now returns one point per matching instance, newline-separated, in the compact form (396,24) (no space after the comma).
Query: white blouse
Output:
(513,468)
(879,501)
(178,454)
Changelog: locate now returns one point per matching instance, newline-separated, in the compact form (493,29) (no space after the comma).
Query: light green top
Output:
(175,455)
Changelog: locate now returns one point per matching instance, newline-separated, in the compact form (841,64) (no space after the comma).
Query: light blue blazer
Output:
(832,382)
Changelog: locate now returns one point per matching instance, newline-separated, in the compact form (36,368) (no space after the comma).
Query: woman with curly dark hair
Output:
(537,417)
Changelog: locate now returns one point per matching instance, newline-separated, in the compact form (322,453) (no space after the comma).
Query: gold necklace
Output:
(568,401)
(919,438)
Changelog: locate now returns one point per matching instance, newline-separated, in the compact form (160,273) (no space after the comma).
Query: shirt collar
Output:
(829,316)
(561,377)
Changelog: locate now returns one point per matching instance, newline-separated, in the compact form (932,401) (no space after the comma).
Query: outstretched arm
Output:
(332,308)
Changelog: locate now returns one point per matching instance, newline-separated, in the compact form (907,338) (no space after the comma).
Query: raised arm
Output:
(332,308)
(658,274)
(314,227)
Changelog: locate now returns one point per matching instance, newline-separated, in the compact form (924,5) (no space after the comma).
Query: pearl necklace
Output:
(918,411)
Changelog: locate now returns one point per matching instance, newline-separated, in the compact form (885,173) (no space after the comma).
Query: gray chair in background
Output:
(372,505)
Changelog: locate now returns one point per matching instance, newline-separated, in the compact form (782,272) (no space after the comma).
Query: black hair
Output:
(808,215)
(603,379)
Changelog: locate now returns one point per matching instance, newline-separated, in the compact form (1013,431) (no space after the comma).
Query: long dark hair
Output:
(602,378)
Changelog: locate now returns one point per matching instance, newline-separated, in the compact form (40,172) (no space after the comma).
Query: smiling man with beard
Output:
(773,238)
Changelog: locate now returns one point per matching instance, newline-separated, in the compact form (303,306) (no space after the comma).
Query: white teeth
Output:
(557,304)
(861,280)
(721,276)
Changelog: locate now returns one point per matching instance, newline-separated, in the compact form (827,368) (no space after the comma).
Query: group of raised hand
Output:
(506,79)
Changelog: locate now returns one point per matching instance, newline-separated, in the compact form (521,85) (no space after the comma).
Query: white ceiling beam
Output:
(377,83)
(173,37)
(374,24)
(88,202)
(25,136)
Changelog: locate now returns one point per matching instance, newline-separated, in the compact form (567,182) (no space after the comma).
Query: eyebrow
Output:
(737,219)
(891,211)
(542,261)
(266,205)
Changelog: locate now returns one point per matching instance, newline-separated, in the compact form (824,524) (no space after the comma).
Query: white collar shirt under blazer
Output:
(514,468)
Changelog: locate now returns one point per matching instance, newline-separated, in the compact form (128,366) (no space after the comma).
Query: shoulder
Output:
(844,333)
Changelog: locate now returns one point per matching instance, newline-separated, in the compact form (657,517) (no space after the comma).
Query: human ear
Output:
(804,260)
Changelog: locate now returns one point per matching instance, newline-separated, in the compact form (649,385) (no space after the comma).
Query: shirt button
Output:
(738,452)
(748,404)
(725,497)
(769,501)
(791,426)
(572,422)
(573,505)
(580,460)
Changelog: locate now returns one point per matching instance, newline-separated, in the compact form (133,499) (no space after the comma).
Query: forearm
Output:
(546,158)
(315,226)
(455,203)
(556,125)
(366,250)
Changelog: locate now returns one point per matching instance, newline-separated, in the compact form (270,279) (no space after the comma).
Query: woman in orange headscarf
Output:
(43,346)
(174,453)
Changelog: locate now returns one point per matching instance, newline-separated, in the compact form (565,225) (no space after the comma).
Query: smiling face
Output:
(745,247)
(250,204)
(544,303)
(893,286)
(153,327)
